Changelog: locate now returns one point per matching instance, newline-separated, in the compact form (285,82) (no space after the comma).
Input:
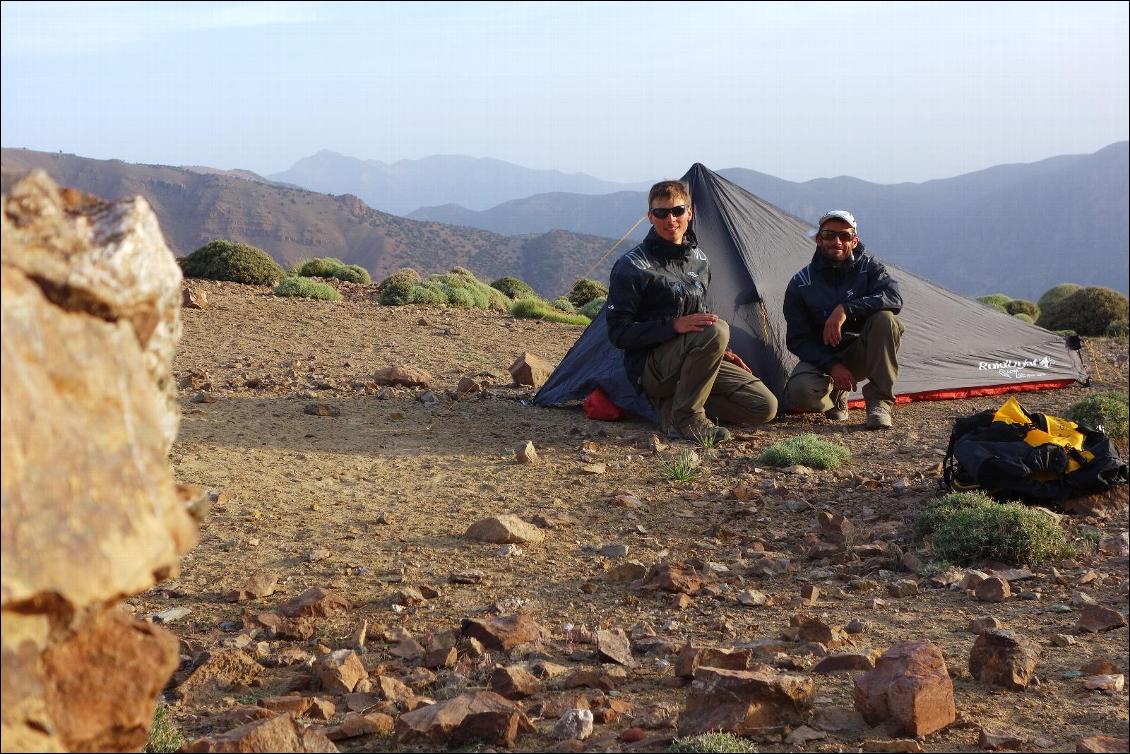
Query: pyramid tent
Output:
(953,347)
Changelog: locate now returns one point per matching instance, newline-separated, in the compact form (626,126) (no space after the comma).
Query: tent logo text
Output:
(1015,369)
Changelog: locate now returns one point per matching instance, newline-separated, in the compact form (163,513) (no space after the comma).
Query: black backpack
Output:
(993,456)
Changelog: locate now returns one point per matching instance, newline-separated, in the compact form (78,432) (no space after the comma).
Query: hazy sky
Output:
(886,92)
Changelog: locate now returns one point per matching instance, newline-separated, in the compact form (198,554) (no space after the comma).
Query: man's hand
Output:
(833,326)
(693,322)
(842,378)
(736,360)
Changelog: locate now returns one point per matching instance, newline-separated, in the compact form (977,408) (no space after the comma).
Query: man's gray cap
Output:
(838,214)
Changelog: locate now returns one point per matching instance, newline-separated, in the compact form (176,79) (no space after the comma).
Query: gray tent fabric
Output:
(952,345)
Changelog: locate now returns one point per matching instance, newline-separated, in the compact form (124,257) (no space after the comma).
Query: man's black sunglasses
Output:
(662,212)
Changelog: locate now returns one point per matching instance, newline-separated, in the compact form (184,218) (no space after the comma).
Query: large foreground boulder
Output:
(909,686)
(91,316)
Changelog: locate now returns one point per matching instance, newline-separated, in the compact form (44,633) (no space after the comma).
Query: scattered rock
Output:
(504,530)
(754,598)
(399,374)
(194,298)
(995,738)
(259,584)
(340,671)
(835,528)
(503,632)
(317,602)
(1003,658)
(674,578)
(1096,618)
(514,682)
(804,735)
(896,746)
(838,720)
(322,409)
(1110,683)
(910,686)
(993,589)
(744,701)
(983,624)
(219,670)
(846,661)
(574,725)
(691,658)
(477,715)
(530,369)
(614,645)
(278,733)
(1102,744)
(527,453)
(355,724)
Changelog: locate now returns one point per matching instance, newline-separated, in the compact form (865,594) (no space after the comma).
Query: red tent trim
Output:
(974,392)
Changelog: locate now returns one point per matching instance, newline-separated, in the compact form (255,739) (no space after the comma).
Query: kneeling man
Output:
(675,350)
(840,317)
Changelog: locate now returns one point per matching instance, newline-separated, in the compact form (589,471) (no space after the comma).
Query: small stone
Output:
(994,738)
(574,725)
(321,409)
(1062,640)
(595,468)
(504,530)
(804,735)
(809,593)
(1103,744)
(903,588)
(319,554)
(856,626)
(527,453)
(984,623)
(1111,683)
(170,615)
(1096,618)
(614,551)
(753,598)
(1115,545)
(1003,658)
(1082,599)
(993,589)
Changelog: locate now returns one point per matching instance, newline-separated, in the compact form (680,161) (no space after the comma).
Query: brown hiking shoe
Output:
(878,416)
(703,431)
(838,412)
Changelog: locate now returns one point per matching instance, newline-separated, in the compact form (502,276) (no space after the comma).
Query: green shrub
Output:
(969,527)
(708,743)
(996,300)
(466,291)
(1118,329)
(1107,410)
(1050,301)
(806,450)
(428,294)
(683,467)
(164,735)
(1026,319)
(235,262)
(536,308)
(585,290)
(592,308)
(514,288)
(1022,306)
(329,267)
(396,289)
(1088,311)
(300,287)
(563,304)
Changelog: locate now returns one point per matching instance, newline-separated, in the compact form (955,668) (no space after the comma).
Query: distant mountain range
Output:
(1016,229)
(196,205)
(402,186)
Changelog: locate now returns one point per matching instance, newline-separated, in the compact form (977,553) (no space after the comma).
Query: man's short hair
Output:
(669,190)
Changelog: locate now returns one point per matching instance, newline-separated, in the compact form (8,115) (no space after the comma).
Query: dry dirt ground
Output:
(388,487)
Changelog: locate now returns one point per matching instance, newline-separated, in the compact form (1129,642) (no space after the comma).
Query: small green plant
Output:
(592,308)
(234,262)
(1022,306)
(585,290)
(1107,410)
(514,288)
(306,288)
(530,308)
(164,734)
(806,450)
(329,267)
(396,289)
(966,528)
(1025,318)
(563,304)
(998,301)
(708,743)
(683,467)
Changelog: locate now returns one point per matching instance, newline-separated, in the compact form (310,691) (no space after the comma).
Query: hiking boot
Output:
(838,412)
(878,416)
(704,432)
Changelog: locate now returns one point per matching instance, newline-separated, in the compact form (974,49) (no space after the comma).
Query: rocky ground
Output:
(322,478)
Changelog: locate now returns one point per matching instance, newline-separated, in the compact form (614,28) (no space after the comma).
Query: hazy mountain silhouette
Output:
(1018,229)
(404,185)
(196,205)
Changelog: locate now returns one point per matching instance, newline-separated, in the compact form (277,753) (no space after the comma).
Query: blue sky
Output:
(887,92)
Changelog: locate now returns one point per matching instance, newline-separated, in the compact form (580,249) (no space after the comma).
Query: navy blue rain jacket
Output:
(649,287)
(862,285)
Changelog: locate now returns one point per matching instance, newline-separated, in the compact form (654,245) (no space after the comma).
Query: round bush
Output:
(514,288)
(536,308)
(329,267)
(1107,410)
(806,450)
(563,304)
(1024,318)
(995,300)
(396,289)
(234,262)
(592,308)
(1119,329)
(970,527)
(1050,301)
(428,294)
(1088,311)
(585,290)
(1021,306)
(303,287)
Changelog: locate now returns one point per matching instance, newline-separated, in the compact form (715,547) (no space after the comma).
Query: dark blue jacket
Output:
(650,286)
(862,285)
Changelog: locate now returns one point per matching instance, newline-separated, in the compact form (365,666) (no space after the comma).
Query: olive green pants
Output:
(686,378)
(872,357)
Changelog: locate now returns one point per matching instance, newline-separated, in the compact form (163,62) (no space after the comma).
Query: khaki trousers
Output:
(873,356)
(686,379)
